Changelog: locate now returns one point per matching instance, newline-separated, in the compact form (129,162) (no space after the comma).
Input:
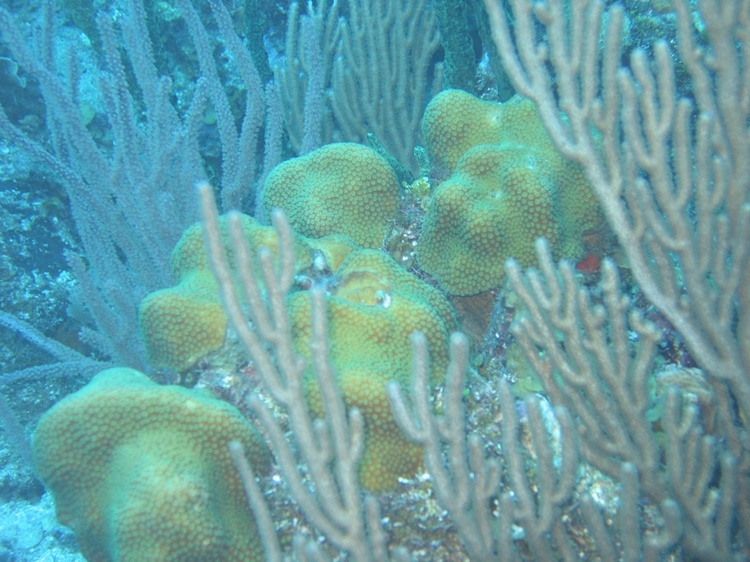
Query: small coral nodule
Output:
(143,472)
(340,188)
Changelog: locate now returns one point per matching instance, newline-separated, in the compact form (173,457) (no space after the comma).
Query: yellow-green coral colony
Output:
(507,185)
(143,472)
(183,323)
(373,307)
(372,310)
(340,188)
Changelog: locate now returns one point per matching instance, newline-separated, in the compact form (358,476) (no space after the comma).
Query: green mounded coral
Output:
(455,121)
(373,308)
(340,188)
(183,323)
(508,186)
(143,472)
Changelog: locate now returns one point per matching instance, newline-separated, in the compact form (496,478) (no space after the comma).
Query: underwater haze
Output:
(374,280)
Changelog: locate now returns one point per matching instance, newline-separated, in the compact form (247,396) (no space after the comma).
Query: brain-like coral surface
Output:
(143,472)
(508,186)
(340,188)
(372,310)
(183,323)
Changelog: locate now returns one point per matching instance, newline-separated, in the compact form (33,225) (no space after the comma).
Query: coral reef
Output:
(374,305)
(636,446)
(143,472)
(508,186)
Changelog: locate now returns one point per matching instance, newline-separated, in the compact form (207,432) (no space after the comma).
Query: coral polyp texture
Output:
(183,323)
(507,186)
(340,188)
(455,121)
(143,472)
(372,309)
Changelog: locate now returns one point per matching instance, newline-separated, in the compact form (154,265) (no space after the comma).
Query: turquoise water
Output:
(113,111)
